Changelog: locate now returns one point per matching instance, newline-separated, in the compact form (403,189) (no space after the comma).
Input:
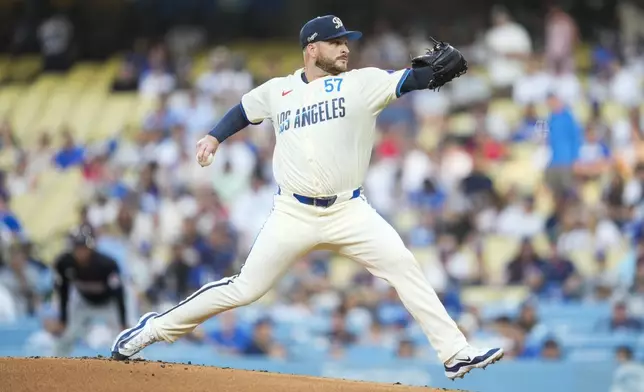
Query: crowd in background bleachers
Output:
(521,183)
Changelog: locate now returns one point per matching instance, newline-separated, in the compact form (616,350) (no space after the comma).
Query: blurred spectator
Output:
(565,84)
(613,198)
(262,342)
(173,284)
(377,335)
(218,254)
(562,36)
(126,79)
(634,188)
(594,156)
(20,181)
(561,277)
(390,46)
(430,197)
(198,115)
(417,167)
(390,310)
(500,332)
(102,211)
(423,234)
(338,332)
(508,45)
(602,286)
(56,35)
(157,80)
(520,219)
(22,280)
(431,106)
(293,306)
(489,145)
(564,140)
(551,351)
(621,321)
(605,233)
(249,211)
(10,150)
(478,186)
(629,376)
(626,137)
(534,86)
(526,267)
(71,154)
(231,338)
(625,85)
(604,53)
(162,119)
(380,181)
(40,158)
(358,317)
(624,354)
(529,126)
(527,320)
(455,165)
(171,150)
(459,265)
(406,349)
(233,167)
(10,226)
(227,79)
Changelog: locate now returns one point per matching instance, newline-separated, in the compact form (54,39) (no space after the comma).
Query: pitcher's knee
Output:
(402,264)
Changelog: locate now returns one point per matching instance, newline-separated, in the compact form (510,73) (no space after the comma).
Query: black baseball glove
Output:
(446,62)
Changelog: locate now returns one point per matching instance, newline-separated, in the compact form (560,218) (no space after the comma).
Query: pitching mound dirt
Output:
(100,375)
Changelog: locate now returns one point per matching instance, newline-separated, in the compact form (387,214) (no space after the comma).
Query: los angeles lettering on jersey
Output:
(312,114)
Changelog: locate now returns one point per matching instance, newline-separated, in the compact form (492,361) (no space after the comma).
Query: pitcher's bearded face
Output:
(333,56)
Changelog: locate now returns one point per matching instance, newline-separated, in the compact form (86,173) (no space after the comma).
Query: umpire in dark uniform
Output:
(89,287)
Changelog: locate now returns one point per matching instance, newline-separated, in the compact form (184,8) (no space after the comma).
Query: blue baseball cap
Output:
(324,28)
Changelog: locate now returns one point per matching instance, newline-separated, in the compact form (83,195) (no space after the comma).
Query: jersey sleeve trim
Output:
(399,93)
(241,105)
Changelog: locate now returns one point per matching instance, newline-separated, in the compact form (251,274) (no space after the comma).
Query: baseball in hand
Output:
(207,161)
(206,148)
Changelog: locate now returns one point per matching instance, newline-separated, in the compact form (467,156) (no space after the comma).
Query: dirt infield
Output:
(100,375)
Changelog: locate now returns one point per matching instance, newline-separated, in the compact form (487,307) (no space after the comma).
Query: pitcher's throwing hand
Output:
(206,148)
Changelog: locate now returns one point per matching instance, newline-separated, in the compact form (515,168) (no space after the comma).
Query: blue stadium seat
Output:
(367,354)
(590,355)
(553,311)
(601,341)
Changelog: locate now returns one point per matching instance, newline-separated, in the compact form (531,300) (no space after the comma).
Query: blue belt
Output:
(325,202)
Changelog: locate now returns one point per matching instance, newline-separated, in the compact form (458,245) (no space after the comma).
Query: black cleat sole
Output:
(118,356)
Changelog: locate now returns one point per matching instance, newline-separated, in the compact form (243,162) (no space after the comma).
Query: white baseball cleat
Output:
(132,340)
(470,358)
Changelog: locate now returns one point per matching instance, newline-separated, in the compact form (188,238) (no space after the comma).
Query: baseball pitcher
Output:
(324,120)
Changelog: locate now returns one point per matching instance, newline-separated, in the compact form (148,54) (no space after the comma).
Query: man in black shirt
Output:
(97,294)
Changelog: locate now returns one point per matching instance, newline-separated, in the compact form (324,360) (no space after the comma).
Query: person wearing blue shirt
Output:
(231,337)
(71,154)
(594,156)
(564,139)
(8,220)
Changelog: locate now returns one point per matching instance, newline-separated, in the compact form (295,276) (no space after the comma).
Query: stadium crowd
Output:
(174,226)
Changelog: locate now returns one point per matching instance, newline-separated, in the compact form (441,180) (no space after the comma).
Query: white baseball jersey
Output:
(325,128)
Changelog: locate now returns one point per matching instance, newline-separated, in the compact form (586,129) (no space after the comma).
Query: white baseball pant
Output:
(350,227)
(81,315)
